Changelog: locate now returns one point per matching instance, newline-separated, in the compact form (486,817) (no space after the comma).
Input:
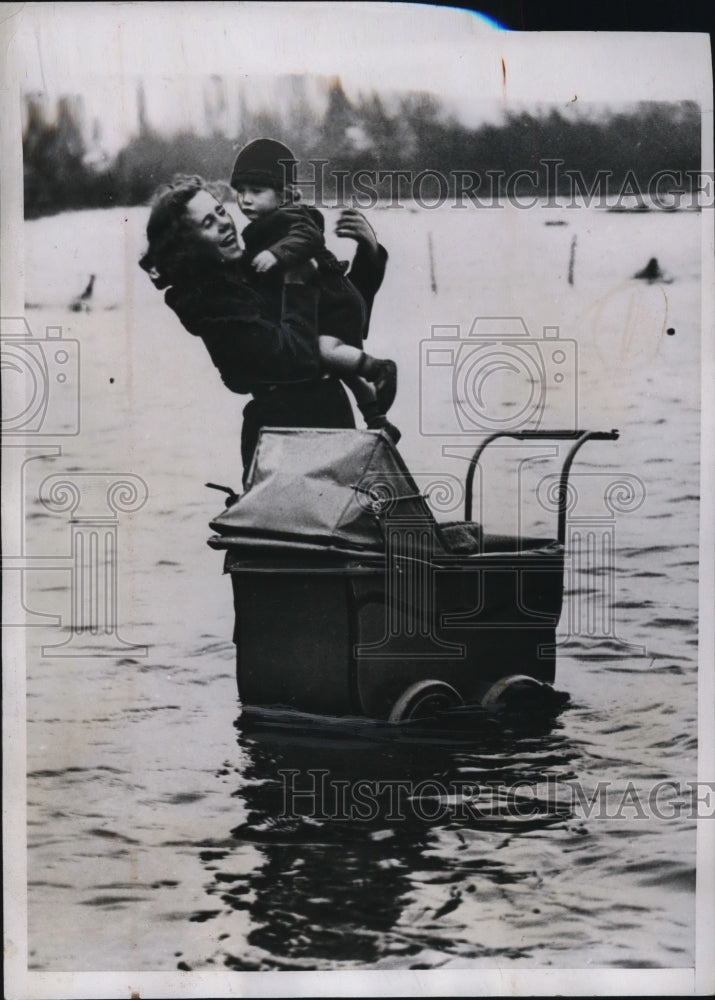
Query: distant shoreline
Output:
(625,204)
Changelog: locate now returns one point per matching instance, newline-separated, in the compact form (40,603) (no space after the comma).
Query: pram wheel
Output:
(519,693)
(424,699)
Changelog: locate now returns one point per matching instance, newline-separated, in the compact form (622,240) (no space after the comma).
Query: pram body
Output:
(351,599)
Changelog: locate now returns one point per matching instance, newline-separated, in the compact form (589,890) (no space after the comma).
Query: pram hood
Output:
(330,487)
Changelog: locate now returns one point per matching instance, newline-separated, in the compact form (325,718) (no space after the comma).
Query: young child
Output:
(282,233)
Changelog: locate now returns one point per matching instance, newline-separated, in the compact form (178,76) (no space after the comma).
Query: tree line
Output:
(411,132)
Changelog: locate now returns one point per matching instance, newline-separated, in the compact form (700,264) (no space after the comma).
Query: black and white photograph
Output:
(358,573)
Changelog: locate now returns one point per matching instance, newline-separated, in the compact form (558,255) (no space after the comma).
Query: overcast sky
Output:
(102,49)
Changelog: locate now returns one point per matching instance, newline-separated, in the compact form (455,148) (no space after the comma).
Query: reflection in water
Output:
(370,836)
(124,788)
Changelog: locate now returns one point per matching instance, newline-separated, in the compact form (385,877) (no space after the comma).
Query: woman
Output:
(194,254)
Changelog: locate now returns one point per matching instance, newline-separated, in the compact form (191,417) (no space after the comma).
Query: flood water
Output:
(168,829)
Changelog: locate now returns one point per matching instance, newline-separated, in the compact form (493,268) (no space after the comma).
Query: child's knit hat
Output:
(264,162)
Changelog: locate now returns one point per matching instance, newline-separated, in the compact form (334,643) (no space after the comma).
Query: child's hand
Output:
(264,261)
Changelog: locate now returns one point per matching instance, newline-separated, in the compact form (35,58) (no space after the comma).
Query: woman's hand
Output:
(353,225)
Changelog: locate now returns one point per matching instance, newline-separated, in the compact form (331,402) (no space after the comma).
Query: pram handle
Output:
(578,437)
(232,496)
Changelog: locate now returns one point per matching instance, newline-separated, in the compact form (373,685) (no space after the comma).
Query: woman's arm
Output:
(368,266)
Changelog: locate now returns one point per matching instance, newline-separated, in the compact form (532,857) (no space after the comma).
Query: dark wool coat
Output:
(249,339)
(294,234)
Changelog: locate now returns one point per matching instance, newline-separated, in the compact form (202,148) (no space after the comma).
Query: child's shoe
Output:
(385,384)
(393,432)
(383,375)
(381,423)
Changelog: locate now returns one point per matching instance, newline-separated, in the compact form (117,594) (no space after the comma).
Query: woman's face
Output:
(213,225)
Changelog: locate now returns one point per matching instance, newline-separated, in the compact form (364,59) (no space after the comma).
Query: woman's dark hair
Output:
(172,253)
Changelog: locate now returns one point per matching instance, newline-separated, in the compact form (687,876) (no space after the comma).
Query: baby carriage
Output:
(351,599)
